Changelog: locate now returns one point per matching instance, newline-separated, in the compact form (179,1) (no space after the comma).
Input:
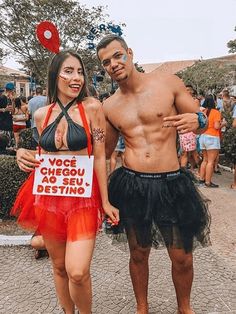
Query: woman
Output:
(69,224)
(19,118)
(210,142)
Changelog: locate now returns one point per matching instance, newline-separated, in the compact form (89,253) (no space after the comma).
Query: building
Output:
(20,80)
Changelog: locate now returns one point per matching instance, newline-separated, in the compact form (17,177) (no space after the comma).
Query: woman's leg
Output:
(56,252)
(203,165)
(78,260)
(16,137)
(211,157)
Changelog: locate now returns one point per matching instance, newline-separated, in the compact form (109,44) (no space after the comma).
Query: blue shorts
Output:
(209,142)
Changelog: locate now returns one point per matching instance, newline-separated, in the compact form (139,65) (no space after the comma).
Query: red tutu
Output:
(59,217)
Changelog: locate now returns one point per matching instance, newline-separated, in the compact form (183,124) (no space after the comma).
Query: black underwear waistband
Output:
(156,175)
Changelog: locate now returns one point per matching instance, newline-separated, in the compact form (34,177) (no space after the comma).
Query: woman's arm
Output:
(98,125)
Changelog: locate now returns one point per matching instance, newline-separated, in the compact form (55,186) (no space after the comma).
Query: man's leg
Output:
(182,275)
(139,272)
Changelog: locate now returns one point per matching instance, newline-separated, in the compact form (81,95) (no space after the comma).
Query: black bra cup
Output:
(76,135)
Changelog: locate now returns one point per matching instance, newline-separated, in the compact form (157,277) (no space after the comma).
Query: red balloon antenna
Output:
(48,36)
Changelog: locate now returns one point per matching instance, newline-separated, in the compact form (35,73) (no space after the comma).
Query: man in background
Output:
(34,103)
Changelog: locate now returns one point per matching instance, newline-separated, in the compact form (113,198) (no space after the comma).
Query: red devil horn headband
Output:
(48,36)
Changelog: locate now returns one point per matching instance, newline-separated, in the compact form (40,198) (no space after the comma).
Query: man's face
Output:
(116,60)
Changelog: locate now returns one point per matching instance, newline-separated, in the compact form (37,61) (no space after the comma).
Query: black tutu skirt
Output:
(160,209)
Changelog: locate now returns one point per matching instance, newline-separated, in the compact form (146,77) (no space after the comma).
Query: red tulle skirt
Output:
(59,217)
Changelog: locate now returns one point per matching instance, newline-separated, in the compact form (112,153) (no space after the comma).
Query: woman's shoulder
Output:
(41,111)
(91,103)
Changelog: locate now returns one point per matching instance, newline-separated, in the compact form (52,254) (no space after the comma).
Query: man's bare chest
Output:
(140,111)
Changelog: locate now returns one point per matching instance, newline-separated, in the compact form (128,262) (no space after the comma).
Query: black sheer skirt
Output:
(161,209)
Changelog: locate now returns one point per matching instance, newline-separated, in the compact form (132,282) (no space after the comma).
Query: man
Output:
(144,110)
(188,141)
(6,109)
(227,101)
(34,103)
(147,109)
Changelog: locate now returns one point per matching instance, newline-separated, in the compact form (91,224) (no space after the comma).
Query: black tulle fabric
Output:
(160,212)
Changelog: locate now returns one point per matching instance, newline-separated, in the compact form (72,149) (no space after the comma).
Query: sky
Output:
(166,30)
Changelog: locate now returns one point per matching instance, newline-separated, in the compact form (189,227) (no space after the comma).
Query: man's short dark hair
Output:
(39,90)
(108,39)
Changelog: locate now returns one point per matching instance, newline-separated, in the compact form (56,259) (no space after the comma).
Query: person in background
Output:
(34,104)
(233,185)
(188,141)
(210,142)
(19,118)
(6,109)
(118,153)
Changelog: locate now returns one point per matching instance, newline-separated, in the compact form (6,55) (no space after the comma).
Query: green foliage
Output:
(26,140)
(208,75)
(139,67)
(229,139)
(18,22)
(11,179)
(11,176)
(232,44)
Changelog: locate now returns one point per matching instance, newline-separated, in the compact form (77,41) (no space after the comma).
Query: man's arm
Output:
(112,134)
(187,120)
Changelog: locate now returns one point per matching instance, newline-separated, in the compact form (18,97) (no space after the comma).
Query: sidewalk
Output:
(27,285)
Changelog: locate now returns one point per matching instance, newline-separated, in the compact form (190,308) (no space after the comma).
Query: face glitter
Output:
(64,76)
(124,58)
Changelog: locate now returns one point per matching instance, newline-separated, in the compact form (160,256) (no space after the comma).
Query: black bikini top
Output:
(78,137)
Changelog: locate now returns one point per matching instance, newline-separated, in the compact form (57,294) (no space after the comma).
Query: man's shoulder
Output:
(111,102)
(38,99)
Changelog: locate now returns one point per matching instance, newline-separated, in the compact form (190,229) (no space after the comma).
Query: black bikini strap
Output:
(64,110)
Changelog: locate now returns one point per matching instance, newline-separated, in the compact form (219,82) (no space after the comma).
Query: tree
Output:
(208,75)
(232,44)
(18,21)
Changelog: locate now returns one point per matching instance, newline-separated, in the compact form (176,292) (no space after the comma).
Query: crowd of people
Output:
(151,197)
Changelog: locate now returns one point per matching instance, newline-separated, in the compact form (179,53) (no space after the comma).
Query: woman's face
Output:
(70,79)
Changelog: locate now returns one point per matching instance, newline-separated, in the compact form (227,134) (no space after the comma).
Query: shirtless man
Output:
(147,110)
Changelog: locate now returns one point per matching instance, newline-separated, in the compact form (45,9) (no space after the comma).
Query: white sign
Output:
(64,175)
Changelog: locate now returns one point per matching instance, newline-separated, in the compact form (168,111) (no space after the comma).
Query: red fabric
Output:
(59,217)
(52,43)
(86,127)
(17,128)
(23,206)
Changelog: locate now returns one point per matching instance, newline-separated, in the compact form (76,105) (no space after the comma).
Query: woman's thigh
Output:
(79,255)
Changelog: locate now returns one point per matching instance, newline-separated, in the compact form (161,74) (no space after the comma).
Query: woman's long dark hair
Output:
(17,103)
(53,72)
(209,103)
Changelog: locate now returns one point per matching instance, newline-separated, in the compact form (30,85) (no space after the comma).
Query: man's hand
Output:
(186,122)
(26,159)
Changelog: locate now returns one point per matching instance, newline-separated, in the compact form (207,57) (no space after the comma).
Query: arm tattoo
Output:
(98,135)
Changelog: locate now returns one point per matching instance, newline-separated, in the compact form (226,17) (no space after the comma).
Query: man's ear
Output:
(130,52)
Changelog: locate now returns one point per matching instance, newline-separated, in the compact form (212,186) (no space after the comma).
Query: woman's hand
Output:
(112,213)
(26,159)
